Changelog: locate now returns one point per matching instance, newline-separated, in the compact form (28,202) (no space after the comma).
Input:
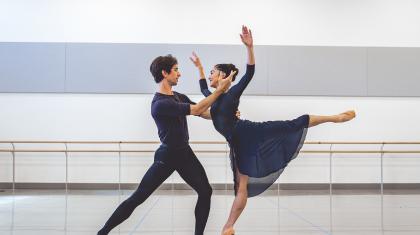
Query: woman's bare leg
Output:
(238,204)
(342,117)
(242,194)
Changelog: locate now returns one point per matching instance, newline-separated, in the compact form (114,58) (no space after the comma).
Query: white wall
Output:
(127,117)
(277,22)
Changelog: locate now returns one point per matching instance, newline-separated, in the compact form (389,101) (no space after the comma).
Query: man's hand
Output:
(196,60)
(238,114)
(224,84)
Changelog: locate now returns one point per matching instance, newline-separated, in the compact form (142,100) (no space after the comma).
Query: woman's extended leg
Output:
(273,128)
(238,204)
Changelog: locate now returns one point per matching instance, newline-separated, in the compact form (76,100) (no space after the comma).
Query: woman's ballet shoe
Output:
(229,231)
(347,116)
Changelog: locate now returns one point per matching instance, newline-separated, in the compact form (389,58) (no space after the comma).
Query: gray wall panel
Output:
(281,70)
(330,71)
(259,83)
(394,71)
(110,68)
(32,67)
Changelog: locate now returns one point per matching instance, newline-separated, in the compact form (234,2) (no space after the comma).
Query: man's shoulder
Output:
(159,96)
(179,93)
(181,96)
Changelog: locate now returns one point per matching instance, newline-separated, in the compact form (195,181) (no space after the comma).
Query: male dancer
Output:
(169,110)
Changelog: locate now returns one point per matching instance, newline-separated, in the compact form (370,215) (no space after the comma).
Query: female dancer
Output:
(259,151)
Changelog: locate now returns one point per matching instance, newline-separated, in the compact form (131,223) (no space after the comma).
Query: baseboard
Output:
(182,186)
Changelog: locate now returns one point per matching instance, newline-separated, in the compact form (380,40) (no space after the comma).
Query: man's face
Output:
(173,76)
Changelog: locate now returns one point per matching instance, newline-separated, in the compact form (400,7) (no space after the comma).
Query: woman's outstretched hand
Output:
(246,37)
(196,60)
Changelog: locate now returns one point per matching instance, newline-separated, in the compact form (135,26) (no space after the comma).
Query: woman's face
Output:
(215,76)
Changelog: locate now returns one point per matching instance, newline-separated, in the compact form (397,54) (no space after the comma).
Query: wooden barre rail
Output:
(14,150)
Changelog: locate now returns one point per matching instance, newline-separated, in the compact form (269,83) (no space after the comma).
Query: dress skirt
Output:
(262,150)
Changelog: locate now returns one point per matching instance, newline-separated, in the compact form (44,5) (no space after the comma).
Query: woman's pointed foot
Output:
(346,116)
(228,231)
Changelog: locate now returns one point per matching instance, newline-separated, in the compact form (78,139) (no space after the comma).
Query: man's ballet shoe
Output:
(230,231)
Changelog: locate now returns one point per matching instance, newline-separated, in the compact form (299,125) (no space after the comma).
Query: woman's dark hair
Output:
(160,63)
(227,68)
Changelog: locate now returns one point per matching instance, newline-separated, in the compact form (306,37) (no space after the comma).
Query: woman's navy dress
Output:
(260,150)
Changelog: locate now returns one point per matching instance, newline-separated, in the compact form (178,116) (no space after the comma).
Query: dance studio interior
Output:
(192,117)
